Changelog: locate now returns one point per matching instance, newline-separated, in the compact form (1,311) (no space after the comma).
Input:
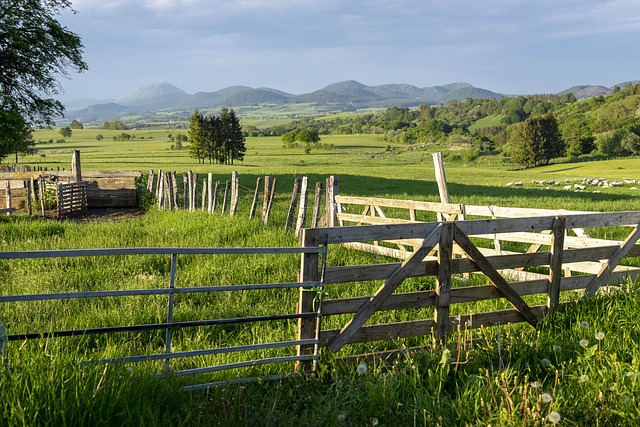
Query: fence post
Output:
(302,212)
(235,188)
(307,328)
(443,283)
(441,179)
(293,205)
(254,203)
(225,198)
(42,188)
(317,202)
(174,190)
(272,195)
(210,192)
(216,193)
(265,198)
(29,196)
(555,265)
(332,206)
(7,189)
(75,166)
(204,193)
(160,190)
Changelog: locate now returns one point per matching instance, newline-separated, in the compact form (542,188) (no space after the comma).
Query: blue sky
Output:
(298,46)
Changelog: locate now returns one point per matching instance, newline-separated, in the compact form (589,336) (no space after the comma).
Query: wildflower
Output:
(546,362)
(557,348)
(553,417)
(373,421)
(584,378)
(546,398)
(584,325)
(535,384)
(362,368)
(631,375)
(584,343)
(342,416)
(599,336)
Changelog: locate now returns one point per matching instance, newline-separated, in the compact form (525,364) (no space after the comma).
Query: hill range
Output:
(163,97)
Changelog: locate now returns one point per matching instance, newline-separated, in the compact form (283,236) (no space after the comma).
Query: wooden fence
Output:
(448,250)
(71,198)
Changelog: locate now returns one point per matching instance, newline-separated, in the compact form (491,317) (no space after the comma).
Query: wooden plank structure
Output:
(554,241)
(72,198)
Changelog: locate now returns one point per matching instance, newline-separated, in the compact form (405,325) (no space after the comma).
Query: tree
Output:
(114,125)
(35,50)
(65,132)
(219,139)
(15,134)
(76,125)
(99,137)
(536,141)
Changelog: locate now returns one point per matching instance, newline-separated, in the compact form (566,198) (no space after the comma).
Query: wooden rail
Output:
(71,198)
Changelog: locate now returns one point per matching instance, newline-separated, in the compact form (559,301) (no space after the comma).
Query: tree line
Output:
(218,139)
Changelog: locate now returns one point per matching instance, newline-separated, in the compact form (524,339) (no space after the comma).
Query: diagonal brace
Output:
(496,279)
(391,284)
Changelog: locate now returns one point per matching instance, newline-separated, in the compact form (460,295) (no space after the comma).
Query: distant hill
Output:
(348,95)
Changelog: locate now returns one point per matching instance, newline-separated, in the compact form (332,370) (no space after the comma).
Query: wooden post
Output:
(7,189)
(174,190)
(151,182)
(194,191)
(332,206)
(235,187)
(210,192)
(225,199)
(204,193)
(216,192)
(555,266)
(75,166)
(308,273)
(443,283)
(266,197)
(302,212)
(441,179)
(28,187)
(185,190)
(293,205)
(317,202)
(272,195)
(160,196)
(254,203)
(42,189)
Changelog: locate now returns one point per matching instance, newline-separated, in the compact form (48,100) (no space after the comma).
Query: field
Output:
(583,367)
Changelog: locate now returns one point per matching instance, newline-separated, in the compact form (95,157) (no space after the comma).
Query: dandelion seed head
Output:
(546,362)
(584,343)
(584,324)
(557,348)
(373,421)
(546,398)
(599,336)
(535,384)
(553,417)
(342,416)
(583,378)
(362,368)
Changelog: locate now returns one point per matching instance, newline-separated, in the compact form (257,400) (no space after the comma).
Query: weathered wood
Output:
(225,198)
(174,190)
(388,331)
(272,195)
(447,208)
(332,204)
(7,191)
(76,170)
(609,266)
(379,250)
(443,283)
(302,211)
(555,265)
(295,194)
(266,197)
(71,198)
(317,202)
(209,192)
(42,191)
(204,194)
(235,187)
(391,284)
(495,277)
(308,328)
(401,301)
(254,202)
(441,179)
(216,193)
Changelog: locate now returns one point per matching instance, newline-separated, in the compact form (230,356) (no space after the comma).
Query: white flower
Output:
(373,421)
(553,417)
(557,348)
(599,336)
(342,416)
(546,398)
(584,325)
(546,362)
(584,378)
(362,368)
(535,384)
(584,343)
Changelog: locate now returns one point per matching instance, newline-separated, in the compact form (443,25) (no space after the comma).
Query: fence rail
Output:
(171,324)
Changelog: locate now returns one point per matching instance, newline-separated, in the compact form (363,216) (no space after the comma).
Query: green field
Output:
(512,375)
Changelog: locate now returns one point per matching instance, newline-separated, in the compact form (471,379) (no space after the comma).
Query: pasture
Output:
(583,367)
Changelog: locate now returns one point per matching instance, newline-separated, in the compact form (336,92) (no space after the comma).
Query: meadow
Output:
(581,368)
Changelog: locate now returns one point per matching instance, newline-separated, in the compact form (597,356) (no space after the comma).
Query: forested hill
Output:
(598,126)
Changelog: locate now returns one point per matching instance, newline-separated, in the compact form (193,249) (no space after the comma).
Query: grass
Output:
(497,376)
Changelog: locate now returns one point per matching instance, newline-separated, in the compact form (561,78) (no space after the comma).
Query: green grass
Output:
(493,382)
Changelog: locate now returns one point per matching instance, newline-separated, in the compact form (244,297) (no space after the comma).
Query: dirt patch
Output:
(106,214)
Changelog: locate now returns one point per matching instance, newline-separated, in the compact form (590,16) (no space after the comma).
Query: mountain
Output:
(348,95)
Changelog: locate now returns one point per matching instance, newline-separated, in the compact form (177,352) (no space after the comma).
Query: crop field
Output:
(581,368)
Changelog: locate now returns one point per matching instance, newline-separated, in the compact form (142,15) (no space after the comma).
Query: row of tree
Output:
(219,139)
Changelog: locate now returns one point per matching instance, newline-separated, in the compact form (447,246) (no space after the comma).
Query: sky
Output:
(299,46)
